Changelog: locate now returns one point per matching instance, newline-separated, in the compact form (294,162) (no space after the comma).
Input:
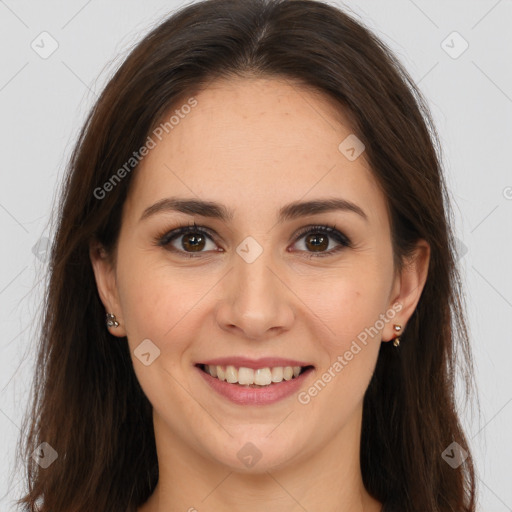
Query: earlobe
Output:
(408,287)
(104,274)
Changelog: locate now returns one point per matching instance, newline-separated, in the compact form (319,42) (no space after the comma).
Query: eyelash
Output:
(167,237)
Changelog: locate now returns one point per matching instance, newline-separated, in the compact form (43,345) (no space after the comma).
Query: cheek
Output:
(356,307)
(158,302)
(351,349)
(349,305)
(163,307)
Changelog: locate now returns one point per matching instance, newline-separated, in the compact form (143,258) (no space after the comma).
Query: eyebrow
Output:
(214,210)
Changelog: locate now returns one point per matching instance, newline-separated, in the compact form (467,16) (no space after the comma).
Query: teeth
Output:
(249,377)
(231,374)
(277,374)
(245,375)
(263,377)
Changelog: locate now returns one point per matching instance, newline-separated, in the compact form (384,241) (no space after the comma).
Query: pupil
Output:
(193,242)
(319,242)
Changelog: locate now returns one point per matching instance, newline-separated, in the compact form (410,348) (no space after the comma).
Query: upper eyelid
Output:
(330,230)
(183,230)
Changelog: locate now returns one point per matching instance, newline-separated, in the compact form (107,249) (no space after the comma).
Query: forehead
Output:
(249,141)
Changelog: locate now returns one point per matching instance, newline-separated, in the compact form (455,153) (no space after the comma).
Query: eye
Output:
(317,239)
(188,240)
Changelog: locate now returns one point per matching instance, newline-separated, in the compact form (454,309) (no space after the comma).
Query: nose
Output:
(255,302)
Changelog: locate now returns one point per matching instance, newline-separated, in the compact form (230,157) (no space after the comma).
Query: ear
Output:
(104,273)
(407,288)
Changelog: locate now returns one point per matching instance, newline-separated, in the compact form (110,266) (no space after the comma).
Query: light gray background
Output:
(43,103)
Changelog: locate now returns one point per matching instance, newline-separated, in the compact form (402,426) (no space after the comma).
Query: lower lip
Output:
(256,396)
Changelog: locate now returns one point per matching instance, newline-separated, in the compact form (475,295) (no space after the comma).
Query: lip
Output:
(263,362)
(241,395)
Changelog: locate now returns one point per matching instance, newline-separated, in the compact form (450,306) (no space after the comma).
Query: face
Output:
(255,276)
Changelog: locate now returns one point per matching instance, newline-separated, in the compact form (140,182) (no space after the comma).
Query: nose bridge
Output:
(255,300)
(254,278)
(256,288)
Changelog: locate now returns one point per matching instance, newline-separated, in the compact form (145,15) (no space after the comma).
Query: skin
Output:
(255,145)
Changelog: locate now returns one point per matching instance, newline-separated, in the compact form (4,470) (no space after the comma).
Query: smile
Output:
(255,378)
(254,386)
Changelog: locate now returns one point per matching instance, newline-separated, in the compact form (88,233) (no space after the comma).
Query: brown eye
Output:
(193,242)
(321,241)
(317,242)
(188,240)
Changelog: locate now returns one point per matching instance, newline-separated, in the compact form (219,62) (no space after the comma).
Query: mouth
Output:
(245,377)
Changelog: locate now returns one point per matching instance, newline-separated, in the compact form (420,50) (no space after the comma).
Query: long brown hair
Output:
(87,403)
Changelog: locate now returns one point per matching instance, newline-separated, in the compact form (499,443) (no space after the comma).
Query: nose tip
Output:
(254,326)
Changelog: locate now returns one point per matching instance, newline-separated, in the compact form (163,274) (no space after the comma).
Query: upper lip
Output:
(263,362)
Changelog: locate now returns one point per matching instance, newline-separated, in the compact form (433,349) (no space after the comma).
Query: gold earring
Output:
(111,320)
(397,328)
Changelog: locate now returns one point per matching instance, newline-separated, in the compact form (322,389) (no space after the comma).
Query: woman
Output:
(253,301)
